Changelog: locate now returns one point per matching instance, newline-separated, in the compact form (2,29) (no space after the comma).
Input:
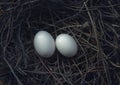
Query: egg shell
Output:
(66,45)
(44,44)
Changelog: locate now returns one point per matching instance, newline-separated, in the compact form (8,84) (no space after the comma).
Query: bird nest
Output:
(94,24)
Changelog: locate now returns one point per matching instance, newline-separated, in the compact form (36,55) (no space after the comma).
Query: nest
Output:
(94,24)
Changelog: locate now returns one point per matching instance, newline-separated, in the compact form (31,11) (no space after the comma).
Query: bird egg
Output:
(66,45)
(44,44)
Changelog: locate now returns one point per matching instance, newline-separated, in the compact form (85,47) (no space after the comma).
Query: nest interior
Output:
(94,24)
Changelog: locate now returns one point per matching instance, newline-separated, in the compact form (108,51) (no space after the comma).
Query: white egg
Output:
(44,44)
(66,45)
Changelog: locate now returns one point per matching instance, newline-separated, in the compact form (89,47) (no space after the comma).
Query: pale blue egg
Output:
(44,44)
(66,45)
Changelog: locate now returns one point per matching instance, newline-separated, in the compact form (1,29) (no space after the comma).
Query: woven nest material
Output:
(94,24)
